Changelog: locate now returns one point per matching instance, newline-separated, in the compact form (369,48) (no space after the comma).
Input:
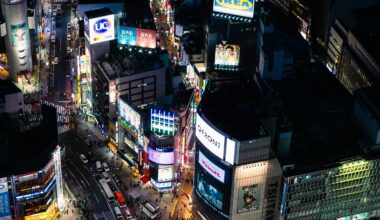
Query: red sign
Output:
(146,38)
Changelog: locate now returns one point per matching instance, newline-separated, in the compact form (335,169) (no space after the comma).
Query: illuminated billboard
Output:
(112,93)
(162,122)
(100,29)
(165,173)
(137,37)
(161,157)
(211,139)
(20,36)
(127,113)
(209,193)
(248,198)
(211,168)
(5,208)
(227,54)
(242,8)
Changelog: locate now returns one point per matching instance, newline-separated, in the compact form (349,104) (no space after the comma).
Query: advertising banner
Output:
(161,157)
(127,35)
(137,37)
(112,91)
(162,122)
(5,209)
(211,168)
(129,114)
(146,38)
(227,54)
(211,139)
(101,29)
(244,8)
(248,198)
(19,34)
(209,193)
(165,173)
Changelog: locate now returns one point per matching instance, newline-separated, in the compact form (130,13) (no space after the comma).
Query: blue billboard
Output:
(242,8)
(5,209)
(127,35)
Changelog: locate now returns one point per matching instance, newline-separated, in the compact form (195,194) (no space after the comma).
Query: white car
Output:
(56,60)
(52,38)
(105,166)
(68,37)
(83,158)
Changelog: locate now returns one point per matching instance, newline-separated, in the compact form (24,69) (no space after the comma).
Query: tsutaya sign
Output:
(210,167)
(242,8)
(211,139)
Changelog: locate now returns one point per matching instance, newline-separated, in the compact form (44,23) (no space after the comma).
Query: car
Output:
(54,12)
(68,37)
(56,60)
(83,158)
(68,25)
(106,176)
(52,38)
(106,167)
(68,49)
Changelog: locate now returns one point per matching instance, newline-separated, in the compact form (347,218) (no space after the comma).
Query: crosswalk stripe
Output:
(63,129)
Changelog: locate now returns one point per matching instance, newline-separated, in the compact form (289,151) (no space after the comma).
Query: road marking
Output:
(104,215)
(75,179)
(96,198)
(95,217)
(88,184)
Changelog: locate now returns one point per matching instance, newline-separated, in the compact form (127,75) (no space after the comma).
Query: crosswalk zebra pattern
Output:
(63,129)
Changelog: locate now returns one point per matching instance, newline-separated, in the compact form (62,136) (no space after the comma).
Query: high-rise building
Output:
(18,42)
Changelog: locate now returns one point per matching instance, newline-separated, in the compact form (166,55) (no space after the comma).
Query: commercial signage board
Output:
(161,157)
(112,91)
(165,173)
(227,54)
(101,29)
(230,151)
(164,185)
(137,37)
(129,114)
(5,209)
(211,139)
(20,36)
(211,168)
(244,8)
(162,122)
(209,193)
(248,198)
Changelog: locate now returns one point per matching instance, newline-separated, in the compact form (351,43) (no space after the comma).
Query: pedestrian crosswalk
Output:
(63,129)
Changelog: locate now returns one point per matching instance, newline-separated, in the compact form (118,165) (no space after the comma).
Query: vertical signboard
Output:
(5,209)
(58,176)
(112,91)
(19,34)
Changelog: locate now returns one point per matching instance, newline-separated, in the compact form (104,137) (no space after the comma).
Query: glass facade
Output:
(350,189)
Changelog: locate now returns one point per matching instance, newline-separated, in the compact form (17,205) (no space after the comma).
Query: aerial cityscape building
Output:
(189,109)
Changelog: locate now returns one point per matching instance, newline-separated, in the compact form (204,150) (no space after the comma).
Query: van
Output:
(105,166)
(98,166)
(118,213)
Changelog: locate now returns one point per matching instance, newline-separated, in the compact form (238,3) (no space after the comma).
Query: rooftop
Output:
(98,12)
(234,109)
(7,87)
(124,63)
(371,96)
(323,130)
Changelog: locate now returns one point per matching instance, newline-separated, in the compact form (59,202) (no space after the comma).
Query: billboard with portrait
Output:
(100,29)
(244,8)
(19,34)
(137,37)
(209,193)
(248,198)
(161,157)
(227,54)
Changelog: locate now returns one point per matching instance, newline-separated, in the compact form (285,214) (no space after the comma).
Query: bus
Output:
(106,189)
(120,199)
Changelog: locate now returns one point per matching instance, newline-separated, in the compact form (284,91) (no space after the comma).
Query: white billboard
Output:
(244,8)
(230,151)
(101,29)
(127,113)
(211,139)
(211,168)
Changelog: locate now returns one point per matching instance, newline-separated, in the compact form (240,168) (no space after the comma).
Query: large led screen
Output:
(211,139)
(20,36)
(209,193)
(242,8)
(211,168)
(137,37)
(248,198)
(162,122)
(101,29)
(161,157)
(165,173)
(227,54)
(129,114)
